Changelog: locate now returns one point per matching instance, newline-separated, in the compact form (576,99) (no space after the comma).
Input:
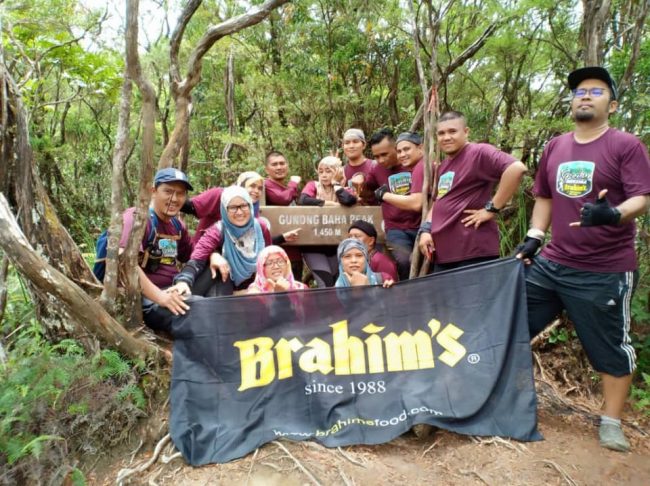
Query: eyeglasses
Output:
(595,92)
(275,263)
(244,208)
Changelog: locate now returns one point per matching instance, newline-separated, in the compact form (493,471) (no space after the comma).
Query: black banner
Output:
(356,365)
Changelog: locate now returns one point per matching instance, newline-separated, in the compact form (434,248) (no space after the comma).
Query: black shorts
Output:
(598,304)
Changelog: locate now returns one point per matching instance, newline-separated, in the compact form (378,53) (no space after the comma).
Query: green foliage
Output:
(641,394)
(46,390)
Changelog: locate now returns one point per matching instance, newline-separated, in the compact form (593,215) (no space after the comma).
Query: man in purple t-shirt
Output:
(460,228)
(358,167)
(277,194)
(590,186)
(277,169)
(170,246)
(400,195)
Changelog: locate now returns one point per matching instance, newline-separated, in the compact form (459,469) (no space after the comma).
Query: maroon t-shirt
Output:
(403,181)
(208,209)
(378,177)
(379,262)
(367,196)
(572,174)
(364,168)
(279,195)
(310,189)
(466,181)
(173,250)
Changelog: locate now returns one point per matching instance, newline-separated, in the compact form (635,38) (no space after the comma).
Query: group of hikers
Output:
(590,185)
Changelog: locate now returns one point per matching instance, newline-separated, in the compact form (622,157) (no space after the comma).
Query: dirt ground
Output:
(568,403)
(570,454)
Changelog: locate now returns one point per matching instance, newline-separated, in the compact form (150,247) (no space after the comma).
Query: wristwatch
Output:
(491,208)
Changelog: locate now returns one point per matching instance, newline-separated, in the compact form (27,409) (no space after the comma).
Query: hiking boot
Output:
(612,437)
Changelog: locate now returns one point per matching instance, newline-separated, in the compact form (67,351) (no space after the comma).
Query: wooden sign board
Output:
(321,225)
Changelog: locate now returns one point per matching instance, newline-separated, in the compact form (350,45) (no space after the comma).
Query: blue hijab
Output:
(345,246)
(241,244)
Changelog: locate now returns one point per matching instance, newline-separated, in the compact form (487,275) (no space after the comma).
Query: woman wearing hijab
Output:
(326,191)
(354,269)
(274,272)
(230,246)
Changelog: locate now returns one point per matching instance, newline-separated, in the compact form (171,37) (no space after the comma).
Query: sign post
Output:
(326,225)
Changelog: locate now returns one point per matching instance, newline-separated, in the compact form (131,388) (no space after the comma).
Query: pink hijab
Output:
(261,284)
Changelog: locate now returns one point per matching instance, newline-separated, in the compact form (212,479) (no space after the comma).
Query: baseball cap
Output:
(592,72)
(171,175)
(412,137)
(364,226)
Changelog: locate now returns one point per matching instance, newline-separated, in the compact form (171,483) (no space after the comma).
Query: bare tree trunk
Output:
(229,88)
(429,114)
(4,270)
(38,216)
(593,30)
(120,154)
(129,260)
(183,89)
(634,39)
(82,309)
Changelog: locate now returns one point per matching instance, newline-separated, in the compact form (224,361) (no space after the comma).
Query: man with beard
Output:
(591,185)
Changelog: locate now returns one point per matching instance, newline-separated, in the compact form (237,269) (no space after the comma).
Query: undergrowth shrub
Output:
(57,402)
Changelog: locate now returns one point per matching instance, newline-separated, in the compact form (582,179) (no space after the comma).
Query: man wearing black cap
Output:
(590,186)
(367,234)
(461,225)
(165,244)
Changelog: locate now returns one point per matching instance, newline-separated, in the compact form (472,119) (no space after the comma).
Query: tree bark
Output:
(229,89)
(593,30)
(634,39)
(4,270)
(83,310)
(120,154)
(38,216)
(430,115)
(129,260)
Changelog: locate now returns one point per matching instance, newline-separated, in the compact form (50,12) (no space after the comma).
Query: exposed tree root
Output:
(125,473)
(311,477)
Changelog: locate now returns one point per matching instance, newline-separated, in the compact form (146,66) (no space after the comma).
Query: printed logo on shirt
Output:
(400,184)
(169,249)
(575,179)
(445,182)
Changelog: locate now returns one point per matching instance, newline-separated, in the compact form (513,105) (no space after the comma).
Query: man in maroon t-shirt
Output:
(460,227)
(400,195)
(590,186)
(358,167)
(277,194)
(170,246)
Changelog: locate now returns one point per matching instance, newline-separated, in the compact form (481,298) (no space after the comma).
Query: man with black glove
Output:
(589,267)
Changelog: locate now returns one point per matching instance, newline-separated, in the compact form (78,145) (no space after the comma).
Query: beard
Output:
(583,116)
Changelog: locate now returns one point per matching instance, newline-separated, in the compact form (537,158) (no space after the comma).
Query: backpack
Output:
(99,268)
